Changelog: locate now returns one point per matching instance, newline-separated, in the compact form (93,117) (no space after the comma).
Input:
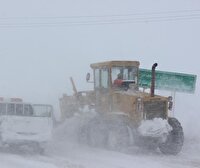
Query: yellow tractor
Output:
(126,115)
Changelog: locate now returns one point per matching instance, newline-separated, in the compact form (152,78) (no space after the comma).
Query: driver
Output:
(118,82)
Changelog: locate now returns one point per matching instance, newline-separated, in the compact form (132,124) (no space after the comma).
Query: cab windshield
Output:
(125,74)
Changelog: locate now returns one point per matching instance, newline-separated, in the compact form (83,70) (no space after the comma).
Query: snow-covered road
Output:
(64,152)
(75,156)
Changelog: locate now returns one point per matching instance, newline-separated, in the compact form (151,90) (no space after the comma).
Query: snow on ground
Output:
(64,152)
(15,161)
(99,158)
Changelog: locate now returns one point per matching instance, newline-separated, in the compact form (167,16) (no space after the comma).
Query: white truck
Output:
(25,124)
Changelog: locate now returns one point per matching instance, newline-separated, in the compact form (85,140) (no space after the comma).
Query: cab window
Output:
(2,108)
(101,78)
(104,78)
(126,73)
(97,78)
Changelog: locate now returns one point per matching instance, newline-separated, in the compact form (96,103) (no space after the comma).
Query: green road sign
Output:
(168,81)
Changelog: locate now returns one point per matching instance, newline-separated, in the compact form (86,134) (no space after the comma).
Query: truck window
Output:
(19,109)
(2,108)
(28,110)
(11,109)
(42,110)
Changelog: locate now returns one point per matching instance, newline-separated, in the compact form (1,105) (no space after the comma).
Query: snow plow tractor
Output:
(125,115)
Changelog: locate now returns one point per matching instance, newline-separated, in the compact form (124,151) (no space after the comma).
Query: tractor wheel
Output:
(97,133)
(118,138)
(120,134)
(83,135)
(175,139)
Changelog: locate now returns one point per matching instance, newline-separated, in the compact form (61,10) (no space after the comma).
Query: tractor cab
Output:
(115,75)
(111,77)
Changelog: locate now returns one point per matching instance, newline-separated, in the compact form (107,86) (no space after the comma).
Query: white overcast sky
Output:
(37,61)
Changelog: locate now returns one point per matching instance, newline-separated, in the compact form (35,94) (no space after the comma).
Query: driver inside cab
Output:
(119,80)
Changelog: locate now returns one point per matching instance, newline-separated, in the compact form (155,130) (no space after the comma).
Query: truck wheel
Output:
(175,139)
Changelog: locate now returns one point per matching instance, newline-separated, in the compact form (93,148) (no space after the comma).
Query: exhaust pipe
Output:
(153,78)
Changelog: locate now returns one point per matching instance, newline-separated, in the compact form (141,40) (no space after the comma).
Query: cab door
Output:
(102,89)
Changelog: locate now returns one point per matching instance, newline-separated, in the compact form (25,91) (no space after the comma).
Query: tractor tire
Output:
(120,134)
(175,139)
(110,133)
(118,138)
(83,135)
(97,133)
